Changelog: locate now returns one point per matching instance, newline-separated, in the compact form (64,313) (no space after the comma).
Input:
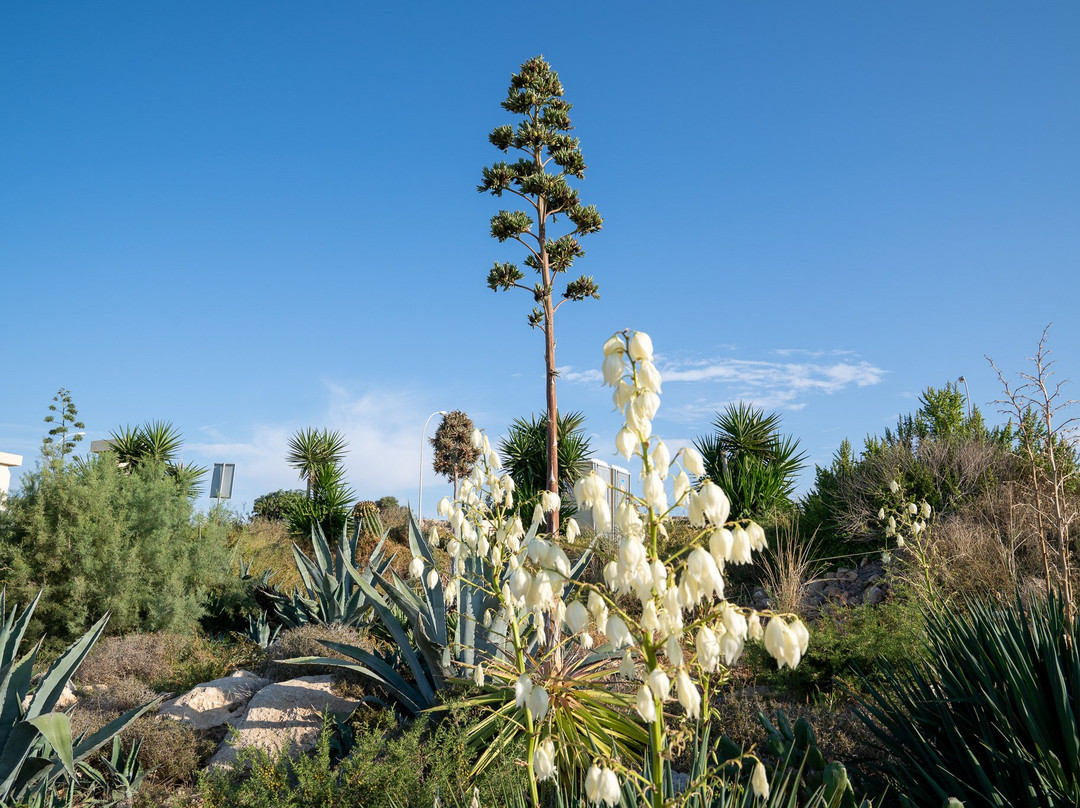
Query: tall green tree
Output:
(455,455)
(749,458)
(61,440)
(548,156)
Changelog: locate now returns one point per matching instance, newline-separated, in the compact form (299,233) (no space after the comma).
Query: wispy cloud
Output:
(591,376)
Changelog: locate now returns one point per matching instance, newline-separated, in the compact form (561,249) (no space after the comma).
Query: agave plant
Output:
(993,716)
(429,645)
(333,589)
(36,746)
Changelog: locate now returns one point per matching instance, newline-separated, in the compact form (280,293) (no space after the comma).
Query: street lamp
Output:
(967,396)
(420,500)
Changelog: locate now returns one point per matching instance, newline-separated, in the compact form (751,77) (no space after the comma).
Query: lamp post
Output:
(420,499)
(967,396)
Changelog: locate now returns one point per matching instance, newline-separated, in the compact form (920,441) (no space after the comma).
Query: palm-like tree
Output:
(750,460)
(312,449)
(155,442)
(524,451)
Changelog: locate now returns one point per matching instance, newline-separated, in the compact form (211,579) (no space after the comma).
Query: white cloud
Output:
(766,384)
(383,431)
(591,376)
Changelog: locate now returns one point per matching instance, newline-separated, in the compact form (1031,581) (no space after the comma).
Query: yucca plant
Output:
(36,746)
(992,717)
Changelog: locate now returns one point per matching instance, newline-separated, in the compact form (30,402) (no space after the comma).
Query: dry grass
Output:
(306,641)
(788,566)
(146,657)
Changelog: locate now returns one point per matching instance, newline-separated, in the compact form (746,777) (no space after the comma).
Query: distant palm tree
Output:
(155,442)
(524,451)
(750,460)
(312,449)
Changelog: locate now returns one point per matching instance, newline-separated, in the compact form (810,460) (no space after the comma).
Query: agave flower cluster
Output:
(666,615)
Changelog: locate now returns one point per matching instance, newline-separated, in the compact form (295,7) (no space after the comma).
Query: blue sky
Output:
(248,218)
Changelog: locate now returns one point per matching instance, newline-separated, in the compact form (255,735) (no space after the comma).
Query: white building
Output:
(7,463)
(618,481)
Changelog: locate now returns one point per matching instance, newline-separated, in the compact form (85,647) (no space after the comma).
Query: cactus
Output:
(367,518)
(36,747)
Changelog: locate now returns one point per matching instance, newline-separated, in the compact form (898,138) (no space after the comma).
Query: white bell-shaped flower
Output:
(544,760)
(759,781)
(693,461)
(645,705)
(659,683)
(538,702)
(641,348)
(617,633)
(714,503)
(688,694)
(577,617)
(416,567)
(708,649)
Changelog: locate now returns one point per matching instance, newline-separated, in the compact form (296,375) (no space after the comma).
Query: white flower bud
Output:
(592,783)
(900,541)
(416,567)
(550,501)
(432,578)
(451,591)
(681,487)
(476,439)
(708,649)
(894,486)
(740,547)
(912,508)
(655,495)
(572,530)
(610,793)
(478,675)
(444,507)
(881,513)
(693,461)
(648,376)
(720,544)
(612,369)
(661,458)
(925,510)
(627,443)
(615,344)
(714,503)
(756,532)
(617,633)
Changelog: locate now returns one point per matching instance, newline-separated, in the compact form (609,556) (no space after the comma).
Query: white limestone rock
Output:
(212,704)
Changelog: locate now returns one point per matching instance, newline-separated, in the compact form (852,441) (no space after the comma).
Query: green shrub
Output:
(844,639)
(275,506)
(991,716)
(100,539)
(386,766)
